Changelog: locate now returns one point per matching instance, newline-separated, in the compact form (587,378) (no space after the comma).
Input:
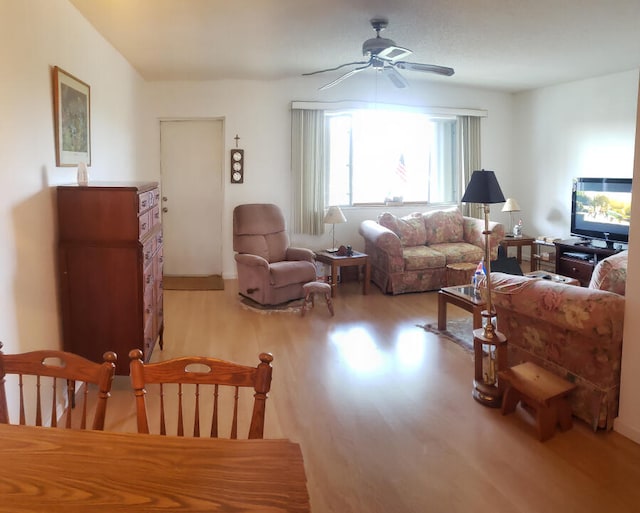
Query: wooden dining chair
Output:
(218,380)
(36,370)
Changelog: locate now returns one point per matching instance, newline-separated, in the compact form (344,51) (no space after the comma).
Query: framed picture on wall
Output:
(72,118)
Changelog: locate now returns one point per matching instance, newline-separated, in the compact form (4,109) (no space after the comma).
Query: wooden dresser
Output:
(110,269)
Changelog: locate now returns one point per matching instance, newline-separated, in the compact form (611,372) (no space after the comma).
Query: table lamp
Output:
(484,188)
(511,206)
(333,217)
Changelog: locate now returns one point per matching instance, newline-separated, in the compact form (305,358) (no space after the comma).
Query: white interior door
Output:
(192,161)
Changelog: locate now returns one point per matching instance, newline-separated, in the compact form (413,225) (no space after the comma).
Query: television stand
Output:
(577,258)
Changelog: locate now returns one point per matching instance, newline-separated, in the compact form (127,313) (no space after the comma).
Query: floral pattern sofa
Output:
(611,273)
(574,332)
(410,253)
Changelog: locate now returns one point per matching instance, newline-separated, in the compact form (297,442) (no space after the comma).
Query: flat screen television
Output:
(601,209)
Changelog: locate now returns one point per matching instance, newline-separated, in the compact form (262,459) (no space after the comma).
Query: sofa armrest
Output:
(300,254)
(251,260)
(579,309)
(473,234)
(380,237)
(572,331)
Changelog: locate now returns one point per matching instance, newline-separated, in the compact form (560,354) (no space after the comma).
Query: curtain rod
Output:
(358,104)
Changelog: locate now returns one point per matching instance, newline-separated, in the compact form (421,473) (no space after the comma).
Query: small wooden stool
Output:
(542,391)
(310,289)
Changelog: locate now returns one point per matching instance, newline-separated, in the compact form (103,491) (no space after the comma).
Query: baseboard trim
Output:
(626,430)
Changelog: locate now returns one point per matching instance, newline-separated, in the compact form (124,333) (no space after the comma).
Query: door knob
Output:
(164,198)
(165,209)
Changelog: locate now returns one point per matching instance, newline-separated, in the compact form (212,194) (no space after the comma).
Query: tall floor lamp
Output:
(484,188)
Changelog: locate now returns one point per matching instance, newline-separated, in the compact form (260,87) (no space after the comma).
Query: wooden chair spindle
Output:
(214,417)
(196,413)
(180,417)
(163,427)
(234,425)
(70,400)
(23,415)
(38,403)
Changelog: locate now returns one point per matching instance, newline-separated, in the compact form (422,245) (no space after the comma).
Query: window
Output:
(340,158)
(378,155)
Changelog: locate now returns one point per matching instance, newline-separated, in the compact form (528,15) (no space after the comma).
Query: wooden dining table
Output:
(64,470)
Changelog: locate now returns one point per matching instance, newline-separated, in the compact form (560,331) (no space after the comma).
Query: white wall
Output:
(36,35)
(628,422)
(259,112)
(585,128)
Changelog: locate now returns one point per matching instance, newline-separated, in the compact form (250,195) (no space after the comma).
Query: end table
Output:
(336,261)
(518,241)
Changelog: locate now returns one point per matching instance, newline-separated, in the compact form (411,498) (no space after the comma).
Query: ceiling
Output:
(508,45)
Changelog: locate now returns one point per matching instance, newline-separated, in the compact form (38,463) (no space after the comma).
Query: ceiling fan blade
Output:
(393,53)
(334,69)
(344,77)
(427,68)
(396,78)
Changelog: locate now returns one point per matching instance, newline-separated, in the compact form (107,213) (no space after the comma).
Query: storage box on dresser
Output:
(110,265)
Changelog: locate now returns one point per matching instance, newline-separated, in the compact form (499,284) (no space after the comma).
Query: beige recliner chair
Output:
(269,271)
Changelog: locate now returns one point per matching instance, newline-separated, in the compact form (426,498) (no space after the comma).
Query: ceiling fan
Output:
(385,57)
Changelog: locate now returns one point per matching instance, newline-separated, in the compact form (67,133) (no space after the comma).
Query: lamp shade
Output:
(483,188)
(334,216)
(511,206)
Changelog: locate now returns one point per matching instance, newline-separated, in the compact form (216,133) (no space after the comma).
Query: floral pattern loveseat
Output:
(410,253)
(574,332)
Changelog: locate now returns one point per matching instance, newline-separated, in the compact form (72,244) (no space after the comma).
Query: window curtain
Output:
(469,129)
(308,170)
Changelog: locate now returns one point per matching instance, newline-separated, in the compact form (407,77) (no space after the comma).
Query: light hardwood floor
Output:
(384,414)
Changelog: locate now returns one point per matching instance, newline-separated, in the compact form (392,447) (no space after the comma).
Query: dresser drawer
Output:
(144,224)
(578,269)
(149,339)
(148,277)
(155,215)
(147,199)
(148,251)
(148,302)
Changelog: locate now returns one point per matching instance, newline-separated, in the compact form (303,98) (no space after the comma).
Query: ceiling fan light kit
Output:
(383,55)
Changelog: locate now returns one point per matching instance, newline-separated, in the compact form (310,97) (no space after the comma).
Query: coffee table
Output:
(463,296)
(557,278)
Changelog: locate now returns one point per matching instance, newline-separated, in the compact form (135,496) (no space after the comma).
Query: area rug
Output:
(459,331)
(292,307)
(212,282)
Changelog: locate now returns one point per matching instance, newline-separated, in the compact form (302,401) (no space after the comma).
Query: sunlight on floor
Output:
(410,350)
(357,349)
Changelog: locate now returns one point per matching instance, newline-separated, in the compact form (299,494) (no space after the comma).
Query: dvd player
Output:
(577,255)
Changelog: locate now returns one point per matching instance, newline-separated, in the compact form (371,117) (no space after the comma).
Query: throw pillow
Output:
(611,274)
(412,231)
(444,226)
(409,229)
(388,220)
